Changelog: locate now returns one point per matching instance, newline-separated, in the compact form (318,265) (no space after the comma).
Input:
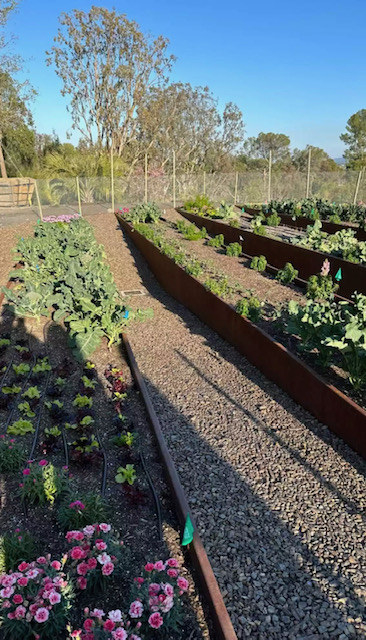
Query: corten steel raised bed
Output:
(220,619)
(277,252)
(303,222)
(329,405)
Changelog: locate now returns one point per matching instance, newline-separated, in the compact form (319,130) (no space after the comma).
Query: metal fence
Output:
(97,193)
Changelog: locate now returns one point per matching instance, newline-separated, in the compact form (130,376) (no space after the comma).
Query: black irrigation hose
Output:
(65,447)
(6,372)
(156,498)
(41,404)
(17,395)
(104,472)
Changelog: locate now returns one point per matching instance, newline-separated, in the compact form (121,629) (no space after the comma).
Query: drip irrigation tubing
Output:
(156,498)
(41,404)
(104,471)
(6,372)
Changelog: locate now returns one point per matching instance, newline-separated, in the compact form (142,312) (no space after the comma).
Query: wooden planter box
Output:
(16,192)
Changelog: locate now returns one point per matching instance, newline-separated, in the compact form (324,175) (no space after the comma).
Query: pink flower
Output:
(103,558)
(26,472)
(55,564)
(42,560)
(76,553)
(41,615)
(108,625)
(167,604)
(105,527)
(172,562)
(136,609)
(159,565)
(119,634)
(325,268)
(54,597)
(107,568)
(182,584)
(97,613)
(149,566)
(82,582)
(7,592)
(92,563)
(115,615)
(88,530)
(172,573)
(6,604)
(43,463)
(168,589)
(155,620)
(17,599)
(77,505)
(82,569)
(154,587)
(20,612)
(100,545)
(88,624)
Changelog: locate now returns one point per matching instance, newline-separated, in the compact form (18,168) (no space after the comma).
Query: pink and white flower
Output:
(136,609)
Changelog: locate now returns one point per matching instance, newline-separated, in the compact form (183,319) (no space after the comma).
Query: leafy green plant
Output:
(32,393)
(217,241)
(43,483)
(21,369)
(193,267)
(258,226)
(42,365)
(4,342)
(233,249)
(273,220)
(53,432)
(82,401)
(126,474)
(259,263)
(321,287)
(13,390)
(145,212)
(287,274)
(124,439)
(342,243)
(25,409)
(219,287)
(226,211)
(20,428)
(250,308)
(201,205)
(12,455)
(190,231)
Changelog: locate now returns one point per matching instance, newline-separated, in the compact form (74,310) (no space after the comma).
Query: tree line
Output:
(121,101)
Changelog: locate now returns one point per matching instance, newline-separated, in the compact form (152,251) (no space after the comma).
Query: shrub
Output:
(233,249)
(36,604)
(259,263)
(250,308)
(287,274)
(75,513)
(12,455)
(15,548)
(217,241)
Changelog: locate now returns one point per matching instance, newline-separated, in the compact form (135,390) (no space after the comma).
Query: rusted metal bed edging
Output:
(328,404)
(223,627)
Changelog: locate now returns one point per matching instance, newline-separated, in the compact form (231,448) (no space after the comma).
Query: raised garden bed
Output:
(111,408)
(323,400)
(306,261)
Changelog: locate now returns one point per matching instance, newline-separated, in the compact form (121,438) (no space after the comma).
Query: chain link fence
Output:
(96,193)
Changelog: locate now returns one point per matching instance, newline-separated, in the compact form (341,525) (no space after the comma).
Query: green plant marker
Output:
(338,275)
(188,532)
(243,210)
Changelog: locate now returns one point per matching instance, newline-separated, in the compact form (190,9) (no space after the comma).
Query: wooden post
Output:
(2,161)
(357,186)
(269,176)
(236,188)
(112,177)
(38,200)
(174,199)
(204,183)
(78,190)
(308,175)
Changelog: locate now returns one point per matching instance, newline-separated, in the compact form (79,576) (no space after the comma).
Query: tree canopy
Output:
(355,140)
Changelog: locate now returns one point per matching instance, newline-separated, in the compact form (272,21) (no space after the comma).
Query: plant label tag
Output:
(338,275)
(188,532)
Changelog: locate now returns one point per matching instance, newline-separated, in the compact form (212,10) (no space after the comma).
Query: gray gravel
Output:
(279,500)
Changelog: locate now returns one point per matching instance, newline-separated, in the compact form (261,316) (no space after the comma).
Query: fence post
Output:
(174,200)
(112,176)
(78,190)
(308,175)
(204,183)
(145,198)
(269,198)
(38,200)
(236,188)
(357,186)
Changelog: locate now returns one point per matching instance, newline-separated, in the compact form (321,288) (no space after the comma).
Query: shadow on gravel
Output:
(229,353)
(274,585)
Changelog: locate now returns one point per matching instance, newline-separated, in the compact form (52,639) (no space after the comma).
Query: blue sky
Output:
(292,67)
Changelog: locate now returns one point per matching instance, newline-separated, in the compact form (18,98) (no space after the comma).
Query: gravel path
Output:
(279,500)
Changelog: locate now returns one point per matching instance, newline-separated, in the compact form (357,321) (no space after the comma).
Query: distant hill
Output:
(339,160)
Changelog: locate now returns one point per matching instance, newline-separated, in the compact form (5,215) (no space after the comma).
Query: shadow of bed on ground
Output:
(229,353)
(273,583)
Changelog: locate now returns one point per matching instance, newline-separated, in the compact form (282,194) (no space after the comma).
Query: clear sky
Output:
(292,67)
